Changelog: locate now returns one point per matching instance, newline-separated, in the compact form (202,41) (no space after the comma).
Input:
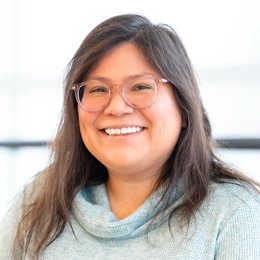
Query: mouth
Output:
(123,130)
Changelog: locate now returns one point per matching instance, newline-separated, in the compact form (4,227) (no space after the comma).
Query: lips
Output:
(123,130)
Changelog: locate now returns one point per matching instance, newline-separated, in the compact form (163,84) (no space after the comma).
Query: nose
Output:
(117,105)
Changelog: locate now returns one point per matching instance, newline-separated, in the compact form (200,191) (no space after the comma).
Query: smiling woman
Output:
(133,173)
(120,152)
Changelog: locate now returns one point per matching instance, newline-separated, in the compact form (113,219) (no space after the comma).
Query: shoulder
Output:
(234,210)
(232,194)
(21,198)
(232,205)
(227,198)
(9,223)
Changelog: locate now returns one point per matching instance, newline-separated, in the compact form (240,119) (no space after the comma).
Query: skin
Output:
(134,160)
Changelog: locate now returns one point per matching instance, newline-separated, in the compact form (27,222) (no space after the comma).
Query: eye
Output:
(98,90)
(94,88)
(141,87)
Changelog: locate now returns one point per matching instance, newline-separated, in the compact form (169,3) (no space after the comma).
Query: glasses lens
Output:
(93,96)
(140,93)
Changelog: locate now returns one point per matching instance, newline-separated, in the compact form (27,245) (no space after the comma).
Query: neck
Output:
(126,196)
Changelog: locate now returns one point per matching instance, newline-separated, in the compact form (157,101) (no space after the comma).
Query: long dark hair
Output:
(72,167)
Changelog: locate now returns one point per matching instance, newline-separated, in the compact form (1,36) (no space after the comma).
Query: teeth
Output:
(124,130)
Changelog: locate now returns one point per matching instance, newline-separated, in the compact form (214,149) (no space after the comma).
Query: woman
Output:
(133,173)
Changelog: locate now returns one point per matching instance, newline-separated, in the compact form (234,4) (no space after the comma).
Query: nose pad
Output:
(117,104)
(115,95)
(115,87)
(121,94)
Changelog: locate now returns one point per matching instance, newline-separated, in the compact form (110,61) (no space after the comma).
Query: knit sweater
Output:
(226,227)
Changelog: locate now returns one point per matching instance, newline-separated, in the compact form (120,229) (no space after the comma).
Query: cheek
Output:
(166,113)
(82,121)
(86,122)
(166,124)
(171,108)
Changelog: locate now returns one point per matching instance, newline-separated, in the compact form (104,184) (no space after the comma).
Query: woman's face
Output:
(140,154)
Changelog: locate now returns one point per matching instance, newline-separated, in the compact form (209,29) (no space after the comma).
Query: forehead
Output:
(122,62)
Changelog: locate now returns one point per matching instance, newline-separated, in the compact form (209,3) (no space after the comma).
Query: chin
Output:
(122,162)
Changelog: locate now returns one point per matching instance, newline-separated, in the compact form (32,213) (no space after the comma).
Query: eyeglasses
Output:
(138,93)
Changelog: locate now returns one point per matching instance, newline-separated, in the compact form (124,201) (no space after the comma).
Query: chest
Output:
(159,244)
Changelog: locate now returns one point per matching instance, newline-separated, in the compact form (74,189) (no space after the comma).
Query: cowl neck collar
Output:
(92,210)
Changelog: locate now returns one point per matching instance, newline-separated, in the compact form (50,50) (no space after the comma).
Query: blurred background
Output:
(39,38)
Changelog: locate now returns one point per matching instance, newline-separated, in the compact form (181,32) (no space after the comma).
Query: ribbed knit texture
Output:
(226,228)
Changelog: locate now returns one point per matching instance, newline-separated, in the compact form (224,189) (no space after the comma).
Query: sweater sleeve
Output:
(8,229)
(239,238)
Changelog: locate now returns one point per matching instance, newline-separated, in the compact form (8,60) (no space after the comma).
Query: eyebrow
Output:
(128,78)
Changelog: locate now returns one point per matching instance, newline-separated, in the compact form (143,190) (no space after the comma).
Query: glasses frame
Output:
(76,88)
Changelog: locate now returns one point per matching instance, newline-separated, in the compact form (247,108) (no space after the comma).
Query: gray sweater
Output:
(227,227)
